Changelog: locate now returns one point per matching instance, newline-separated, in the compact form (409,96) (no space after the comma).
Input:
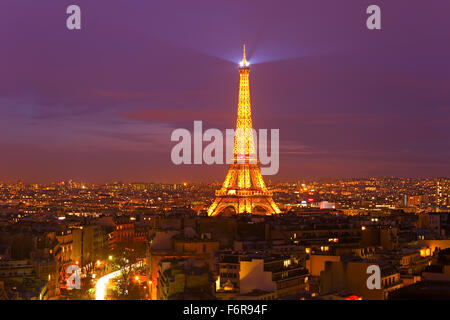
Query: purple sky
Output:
(100,104)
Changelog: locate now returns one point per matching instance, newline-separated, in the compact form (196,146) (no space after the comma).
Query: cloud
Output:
(173,115)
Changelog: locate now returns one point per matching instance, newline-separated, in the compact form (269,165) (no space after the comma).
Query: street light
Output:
(150,282)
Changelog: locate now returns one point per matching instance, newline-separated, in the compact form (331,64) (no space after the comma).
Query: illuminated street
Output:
(102,284)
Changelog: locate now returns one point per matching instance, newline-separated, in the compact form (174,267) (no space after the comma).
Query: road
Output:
(102,283)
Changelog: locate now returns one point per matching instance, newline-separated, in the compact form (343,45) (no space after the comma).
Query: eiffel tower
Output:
(244,189)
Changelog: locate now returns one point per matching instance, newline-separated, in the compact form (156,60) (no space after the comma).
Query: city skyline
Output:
(146,157)
(215,182)
(348,102)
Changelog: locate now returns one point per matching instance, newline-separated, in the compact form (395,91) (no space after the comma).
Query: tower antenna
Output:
(244,62)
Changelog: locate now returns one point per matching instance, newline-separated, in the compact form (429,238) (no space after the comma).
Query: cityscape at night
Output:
(183,155)
(165,232)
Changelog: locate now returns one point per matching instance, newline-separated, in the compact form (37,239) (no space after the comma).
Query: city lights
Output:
(141,161)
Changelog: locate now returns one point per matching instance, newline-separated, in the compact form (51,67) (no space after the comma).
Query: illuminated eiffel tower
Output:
(244,189)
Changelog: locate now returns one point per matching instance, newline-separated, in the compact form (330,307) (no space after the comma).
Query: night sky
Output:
(99,105)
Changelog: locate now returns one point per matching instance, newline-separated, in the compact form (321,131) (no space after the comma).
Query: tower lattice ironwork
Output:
(244,189)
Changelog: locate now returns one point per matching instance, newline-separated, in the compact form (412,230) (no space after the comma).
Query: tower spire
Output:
(244,63)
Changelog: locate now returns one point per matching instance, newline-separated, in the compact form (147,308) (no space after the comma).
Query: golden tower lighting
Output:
(244,189)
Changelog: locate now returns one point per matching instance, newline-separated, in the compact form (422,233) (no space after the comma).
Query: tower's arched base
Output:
(263,205)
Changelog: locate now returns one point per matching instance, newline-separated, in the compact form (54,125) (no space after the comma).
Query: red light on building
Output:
(353,297)
(310,199)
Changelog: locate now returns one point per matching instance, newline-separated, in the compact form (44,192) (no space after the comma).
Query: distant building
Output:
(442,192)
(316,263)
(65,246)
(3,294)
(186,279)
(259,276)
(5,252)
(327,205)
(174,245)
(439,223)
(16,268)
(87,244)
(351,276)
(435,282)
(123,233)
(384,236)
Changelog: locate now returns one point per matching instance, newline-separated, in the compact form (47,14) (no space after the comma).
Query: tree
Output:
(125,259)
